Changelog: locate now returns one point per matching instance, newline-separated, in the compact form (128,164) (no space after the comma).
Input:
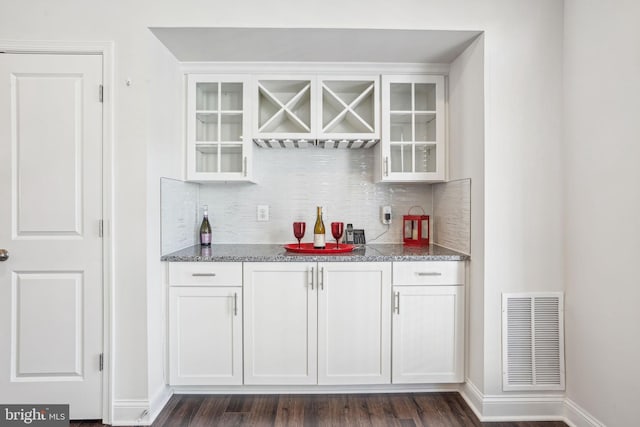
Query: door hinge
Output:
(101,93)
(100,228)
(101,362)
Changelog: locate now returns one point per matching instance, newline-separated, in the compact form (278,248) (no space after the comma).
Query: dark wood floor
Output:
(401,410)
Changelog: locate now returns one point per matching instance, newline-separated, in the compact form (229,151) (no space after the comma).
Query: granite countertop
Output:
(277,253)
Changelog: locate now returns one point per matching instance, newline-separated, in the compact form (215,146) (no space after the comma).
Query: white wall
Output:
(164,149)
(523,65)
(601,156)
(523,170)
(466,160)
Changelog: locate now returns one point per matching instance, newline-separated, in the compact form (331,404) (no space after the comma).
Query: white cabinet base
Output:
(280,323)
(205,335)
(354,333)
(428,334)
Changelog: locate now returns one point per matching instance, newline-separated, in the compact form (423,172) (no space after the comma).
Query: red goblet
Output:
(298,231)
(337,228)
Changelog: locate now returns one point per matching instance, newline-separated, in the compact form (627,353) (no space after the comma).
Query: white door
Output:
(428,334)
(205,335)
(280,323)
(354,323)
(51,204)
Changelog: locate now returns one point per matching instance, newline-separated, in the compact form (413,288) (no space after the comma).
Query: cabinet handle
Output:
(321,278)
(386,166)
(235,303)
(397,303)
(429,273)
(204,274)
(244,166)
(311,281)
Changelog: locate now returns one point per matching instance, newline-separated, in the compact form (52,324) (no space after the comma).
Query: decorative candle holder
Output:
(415,229)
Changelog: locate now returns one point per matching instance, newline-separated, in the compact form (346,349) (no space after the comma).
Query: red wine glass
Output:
(337,228)
(298,231)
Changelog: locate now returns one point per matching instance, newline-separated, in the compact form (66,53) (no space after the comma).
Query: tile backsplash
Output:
(292,182)
(452,215)
(178,214)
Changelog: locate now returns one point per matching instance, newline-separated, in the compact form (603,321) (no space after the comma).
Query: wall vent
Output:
(532,341)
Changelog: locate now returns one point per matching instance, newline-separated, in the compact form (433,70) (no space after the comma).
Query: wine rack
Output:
(349,108)
(285,108)
(316,110)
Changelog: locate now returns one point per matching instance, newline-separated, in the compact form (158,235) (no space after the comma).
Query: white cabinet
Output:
(218,127)
(306,323)
(205,324)
(280,323)
(290,109)
(324,323)
(428,322)
(354,323)
(412,146)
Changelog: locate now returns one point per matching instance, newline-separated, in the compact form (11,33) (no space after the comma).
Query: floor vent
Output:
(532,341)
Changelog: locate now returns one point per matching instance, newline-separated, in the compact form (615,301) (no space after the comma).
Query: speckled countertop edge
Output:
(277,253)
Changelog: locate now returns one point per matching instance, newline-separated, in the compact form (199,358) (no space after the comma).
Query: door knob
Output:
(4,254)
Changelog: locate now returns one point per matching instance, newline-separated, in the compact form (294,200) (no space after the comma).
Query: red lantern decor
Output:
(415,229)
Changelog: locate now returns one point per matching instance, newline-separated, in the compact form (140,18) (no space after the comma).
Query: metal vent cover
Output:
(533,341)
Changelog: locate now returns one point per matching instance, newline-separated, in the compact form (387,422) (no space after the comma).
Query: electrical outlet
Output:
(385,215)
(262,212)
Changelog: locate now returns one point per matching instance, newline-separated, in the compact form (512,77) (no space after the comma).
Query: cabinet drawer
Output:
(205,273)
(428,273)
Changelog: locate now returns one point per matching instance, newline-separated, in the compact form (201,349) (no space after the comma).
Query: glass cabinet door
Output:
(414,136)
(217,150)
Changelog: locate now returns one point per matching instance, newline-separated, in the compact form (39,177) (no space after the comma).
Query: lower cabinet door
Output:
(205,335)
(354,323)
(280,335)
(428,329)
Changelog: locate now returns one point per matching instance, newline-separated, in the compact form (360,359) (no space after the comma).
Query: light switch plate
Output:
(262,212)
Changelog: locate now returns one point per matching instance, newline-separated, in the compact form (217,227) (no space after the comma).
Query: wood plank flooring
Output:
(339,410)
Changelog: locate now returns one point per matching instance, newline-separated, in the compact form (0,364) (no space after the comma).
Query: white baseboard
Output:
(513,407)
(140,412)
(158,402)
(473,396)
(575,416)
(131,412)
(315,389)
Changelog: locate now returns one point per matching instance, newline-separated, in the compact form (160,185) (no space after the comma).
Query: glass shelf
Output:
(413,158)
(216,158)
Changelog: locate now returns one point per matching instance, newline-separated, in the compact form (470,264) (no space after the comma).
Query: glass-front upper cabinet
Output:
(413,132)
(217,123)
